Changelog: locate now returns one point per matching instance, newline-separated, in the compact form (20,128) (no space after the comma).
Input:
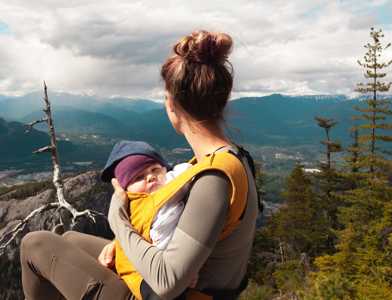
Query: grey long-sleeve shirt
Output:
(195,247)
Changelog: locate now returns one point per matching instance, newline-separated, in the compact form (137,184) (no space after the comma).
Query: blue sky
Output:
(382,10)
(116,48)
(384,16)
(4,28)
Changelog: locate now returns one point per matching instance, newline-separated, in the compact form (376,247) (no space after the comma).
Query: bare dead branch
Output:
(31,124)
(4,243)
(43,149)
(20,226)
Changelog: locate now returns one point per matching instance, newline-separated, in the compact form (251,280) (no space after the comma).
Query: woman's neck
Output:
(204,139)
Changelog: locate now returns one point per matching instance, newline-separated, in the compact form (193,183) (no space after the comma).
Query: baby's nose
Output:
(151,177)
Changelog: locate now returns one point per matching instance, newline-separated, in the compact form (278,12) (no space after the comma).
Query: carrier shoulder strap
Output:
(242,152)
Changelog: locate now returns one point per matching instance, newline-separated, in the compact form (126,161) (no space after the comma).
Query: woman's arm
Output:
(169,271)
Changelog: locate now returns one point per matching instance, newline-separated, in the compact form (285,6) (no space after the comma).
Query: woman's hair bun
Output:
(199,76)
(205,47)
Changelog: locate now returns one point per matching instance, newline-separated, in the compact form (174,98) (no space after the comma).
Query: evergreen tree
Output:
(376,110)
(328,181)
(298,224)
(354,151)
(330,145)
(299,232)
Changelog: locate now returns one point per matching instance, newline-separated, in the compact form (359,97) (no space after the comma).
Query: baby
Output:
(139,168)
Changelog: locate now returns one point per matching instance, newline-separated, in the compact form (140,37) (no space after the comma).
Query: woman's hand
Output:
(119,193)
(119,208)
(194,280)
(107,255)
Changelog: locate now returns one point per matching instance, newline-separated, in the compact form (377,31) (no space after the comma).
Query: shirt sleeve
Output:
(168,272)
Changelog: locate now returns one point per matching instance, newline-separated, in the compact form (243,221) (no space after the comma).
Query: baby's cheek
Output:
(162,179)
(136,187)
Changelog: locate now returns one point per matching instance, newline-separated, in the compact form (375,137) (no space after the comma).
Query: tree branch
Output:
(31,125)
(4,243)
(20,226)
(43,149)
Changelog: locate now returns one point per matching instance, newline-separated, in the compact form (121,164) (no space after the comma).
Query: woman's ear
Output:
(169,103)
(172,113)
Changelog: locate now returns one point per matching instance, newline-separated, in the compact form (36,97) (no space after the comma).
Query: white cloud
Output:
(117,47)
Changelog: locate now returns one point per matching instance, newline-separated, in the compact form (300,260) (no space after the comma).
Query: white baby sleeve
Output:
(166,220)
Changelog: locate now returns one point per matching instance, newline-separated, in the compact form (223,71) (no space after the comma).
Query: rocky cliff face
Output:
(83,191)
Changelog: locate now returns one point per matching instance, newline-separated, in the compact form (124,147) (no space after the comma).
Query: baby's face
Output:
(148,180)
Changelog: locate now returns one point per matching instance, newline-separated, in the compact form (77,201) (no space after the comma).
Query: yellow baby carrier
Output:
(144,207)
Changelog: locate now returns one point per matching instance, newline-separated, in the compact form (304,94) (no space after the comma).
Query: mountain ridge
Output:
(274,120)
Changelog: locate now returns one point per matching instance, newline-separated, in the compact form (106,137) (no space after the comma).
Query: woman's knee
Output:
(89,243)
(71,235)
(35,241)
(76,238)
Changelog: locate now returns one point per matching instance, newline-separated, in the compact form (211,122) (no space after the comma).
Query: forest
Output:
(332,237)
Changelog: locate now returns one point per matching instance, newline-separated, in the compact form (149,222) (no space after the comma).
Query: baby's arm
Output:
(165,222)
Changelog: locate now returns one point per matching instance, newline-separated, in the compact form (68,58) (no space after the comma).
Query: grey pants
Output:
(65,267)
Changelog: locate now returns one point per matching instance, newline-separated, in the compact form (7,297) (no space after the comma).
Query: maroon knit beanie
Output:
(130,166)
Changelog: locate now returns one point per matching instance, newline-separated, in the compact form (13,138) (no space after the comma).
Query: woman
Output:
(198,82)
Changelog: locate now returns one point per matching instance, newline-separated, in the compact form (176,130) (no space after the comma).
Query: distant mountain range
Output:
(275,120)
(285,120)
(16,108)
(16,146)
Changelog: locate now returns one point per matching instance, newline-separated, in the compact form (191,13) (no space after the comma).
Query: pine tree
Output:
(354,151)
(300,232)
(377,109)
(298,224)
(329,181)
(330,145)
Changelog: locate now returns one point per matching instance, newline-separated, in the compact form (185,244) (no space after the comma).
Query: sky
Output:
(116,48)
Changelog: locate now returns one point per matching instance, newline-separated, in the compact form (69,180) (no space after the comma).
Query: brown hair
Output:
(199,76)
